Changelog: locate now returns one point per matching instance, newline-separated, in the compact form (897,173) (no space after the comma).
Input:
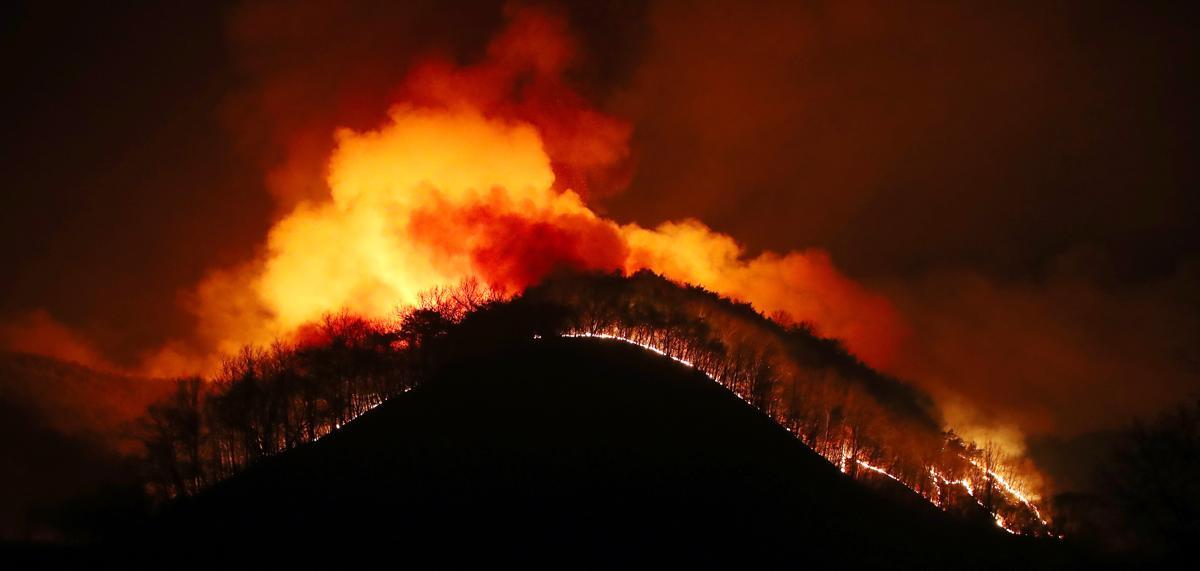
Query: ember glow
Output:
(1010,489)
(844,459)
(940,480)
(934,489)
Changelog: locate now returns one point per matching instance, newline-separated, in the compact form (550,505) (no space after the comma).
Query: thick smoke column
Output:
(468,178)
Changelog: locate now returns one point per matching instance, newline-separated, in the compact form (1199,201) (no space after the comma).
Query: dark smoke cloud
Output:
(904,136)
(1019,178)
(1057,355)
(121,186)
(312,68)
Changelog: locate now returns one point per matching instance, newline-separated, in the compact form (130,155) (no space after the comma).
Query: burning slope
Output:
(857,418)
(571,448)
(471,176)
(270,401)
(847,461)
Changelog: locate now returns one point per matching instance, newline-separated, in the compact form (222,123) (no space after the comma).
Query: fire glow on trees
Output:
(845,458)
(269,401)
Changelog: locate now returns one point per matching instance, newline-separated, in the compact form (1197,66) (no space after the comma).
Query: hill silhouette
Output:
(575,451)
(267,400)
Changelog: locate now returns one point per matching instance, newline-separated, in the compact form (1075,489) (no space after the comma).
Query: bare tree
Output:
(1155,479)
(173,434)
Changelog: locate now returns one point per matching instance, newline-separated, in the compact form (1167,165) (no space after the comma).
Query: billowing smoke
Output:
(37,332)
(1057,355)
(467,177)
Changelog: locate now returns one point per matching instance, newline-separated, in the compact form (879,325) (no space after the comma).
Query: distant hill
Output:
(63,434)
(571,451)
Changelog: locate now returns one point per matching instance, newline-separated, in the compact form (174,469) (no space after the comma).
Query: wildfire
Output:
(645,346)
(656,350)
(1010,489)
(1000,522)
(370,407)
(944,480)
(879,470)
(845,458)
(480,172)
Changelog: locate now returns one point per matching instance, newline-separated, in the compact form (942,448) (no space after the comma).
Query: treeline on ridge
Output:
(268,400)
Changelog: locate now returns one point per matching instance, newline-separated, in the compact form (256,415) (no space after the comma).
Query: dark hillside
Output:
(591,450)
(64,435)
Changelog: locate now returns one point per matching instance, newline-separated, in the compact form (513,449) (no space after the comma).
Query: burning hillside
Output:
(560,449)
(865,423)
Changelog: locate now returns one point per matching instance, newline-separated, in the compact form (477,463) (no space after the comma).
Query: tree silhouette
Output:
(174,435)
(1155,479)
(266,401)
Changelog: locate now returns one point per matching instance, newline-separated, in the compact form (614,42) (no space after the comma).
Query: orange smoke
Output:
(805,285)
(39,333)
(475,174)
(434,196)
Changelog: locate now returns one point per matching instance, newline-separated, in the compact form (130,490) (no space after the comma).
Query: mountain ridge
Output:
(592,448)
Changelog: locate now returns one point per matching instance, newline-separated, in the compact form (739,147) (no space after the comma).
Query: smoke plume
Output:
(468,177)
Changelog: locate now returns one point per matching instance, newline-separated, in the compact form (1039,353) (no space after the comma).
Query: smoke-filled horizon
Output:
(996,206)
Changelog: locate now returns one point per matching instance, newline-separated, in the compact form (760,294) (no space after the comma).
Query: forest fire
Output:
(466,178)
(645,346)
(843,459)
(483,172)
(946,263)
(265,402)
(966,485)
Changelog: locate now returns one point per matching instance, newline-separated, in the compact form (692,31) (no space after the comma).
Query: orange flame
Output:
(468,178)
(844,459)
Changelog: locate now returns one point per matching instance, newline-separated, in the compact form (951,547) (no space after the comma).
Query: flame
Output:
(966,484)
(804,285)
(433,197)
(844,459)
(1009,488)
(439,195)
(481,172)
